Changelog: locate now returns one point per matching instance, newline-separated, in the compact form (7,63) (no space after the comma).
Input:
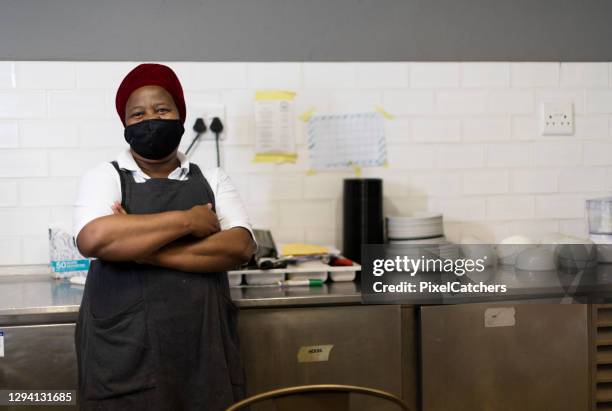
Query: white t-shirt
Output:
(100,187)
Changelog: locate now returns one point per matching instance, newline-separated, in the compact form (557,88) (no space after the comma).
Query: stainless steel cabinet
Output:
(523,357)
(372,346)
(39,357)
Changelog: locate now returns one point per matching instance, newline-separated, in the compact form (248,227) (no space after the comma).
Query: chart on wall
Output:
(274,127)
(344,140)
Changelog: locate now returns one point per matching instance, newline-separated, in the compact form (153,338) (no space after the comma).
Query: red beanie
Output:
(150,75)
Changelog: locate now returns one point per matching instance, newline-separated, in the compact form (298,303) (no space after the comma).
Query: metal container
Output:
(363,215)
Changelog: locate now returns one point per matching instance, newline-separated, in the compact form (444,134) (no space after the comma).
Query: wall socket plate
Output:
(557,119)
(208,111)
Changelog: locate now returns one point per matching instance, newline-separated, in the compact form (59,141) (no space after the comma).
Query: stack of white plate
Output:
(424,232)
(438,246)
(416,226)
(449,251)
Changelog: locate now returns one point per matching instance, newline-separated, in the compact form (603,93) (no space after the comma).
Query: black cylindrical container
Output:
(363,215)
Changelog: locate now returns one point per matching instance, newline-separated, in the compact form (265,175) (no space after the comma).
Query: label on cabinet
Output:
(314,353)
(499,317)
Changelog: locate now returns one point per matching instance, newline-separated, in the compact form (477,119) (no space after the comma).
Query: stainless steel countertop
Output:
(38,298)
(29,298)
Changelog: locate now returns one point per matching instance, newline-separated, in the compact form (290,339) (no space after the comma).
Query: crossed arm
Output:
(189,240)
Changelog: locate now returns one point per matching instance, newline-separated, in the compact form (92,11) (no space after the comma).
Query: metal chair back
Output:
(320,397)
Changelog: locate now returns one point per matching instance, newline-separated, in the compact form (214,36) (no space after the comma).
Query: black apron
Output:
(152,338)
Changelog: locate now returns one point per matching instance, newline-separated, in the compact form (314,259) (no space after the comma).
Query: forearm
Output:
(124,237)
(191,262)
(221,251)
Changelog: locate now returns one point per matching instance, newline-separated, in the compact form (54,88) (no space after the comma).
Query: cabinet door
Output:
(39,357)
(505,357)
(354,345)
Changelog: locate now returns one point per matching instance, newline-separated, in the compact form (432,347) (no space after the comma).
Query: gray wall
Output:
(306,30)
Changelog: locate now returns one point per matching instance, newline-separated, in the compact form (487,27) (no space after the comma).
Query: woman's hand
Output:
(203,221)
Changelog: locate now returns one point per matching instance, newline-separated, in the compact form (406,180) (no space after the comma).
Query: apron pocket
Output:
(119,359)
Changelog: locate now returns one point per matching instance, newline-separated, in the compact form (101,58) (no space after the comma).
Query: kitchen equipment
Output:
(271,276)
(339,276)
(475,249)
(553,240)
(438,247)
(510,247)
(234,279)
(271,263)
(39,357)
(434,240)
(535,259)
(448,251)
(599,213)
(370,345)
(266,247)
(362,215)
(264,278)
(505,357)
(319,271)
(301,283)
(604,247)
(415,226)
(342,276)
(575,257)
(266,251)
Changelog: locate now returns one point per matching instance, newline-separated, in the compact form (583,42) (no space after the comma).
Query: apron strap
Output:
(122,180)
(195,171)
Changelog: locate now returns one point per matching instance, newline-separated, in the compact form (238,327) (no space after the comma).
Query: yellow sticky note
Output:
(356,169)
(305,116)
(274,95)
(275,158)
(384,113)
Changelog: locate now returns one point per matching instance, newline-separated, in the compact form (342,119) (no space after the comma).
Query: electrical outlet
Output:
(208,111)
(557,119)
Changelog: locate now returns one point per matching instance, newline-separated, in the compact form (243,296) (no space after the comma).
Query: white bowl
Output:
(509,248)
(536,259)
(484,252)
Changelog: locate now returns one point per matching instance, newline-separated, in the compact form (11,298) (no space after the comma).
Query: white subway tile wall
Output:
(464,141)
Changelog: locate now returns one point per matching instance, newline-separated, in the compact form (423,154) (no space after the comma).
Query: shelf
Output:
(604,375)
(604,358)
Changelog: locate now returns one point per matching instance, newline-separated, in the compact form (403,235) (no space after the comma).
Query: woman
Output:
(157,327)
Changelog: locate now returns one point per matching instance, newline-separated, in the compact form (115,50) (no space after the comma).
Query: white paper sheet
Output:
(274,126)
(344,140)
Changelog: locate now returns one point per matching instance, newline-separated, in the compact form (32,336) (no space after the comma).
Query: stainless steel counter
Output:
(275,325)
(30,299)
(36,308)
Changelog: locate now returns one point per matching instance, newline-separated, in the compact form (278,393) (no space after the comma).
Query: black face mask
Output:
(154,139)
